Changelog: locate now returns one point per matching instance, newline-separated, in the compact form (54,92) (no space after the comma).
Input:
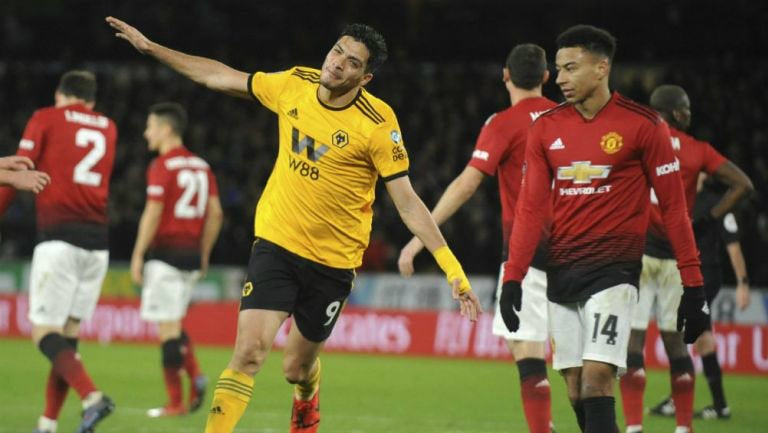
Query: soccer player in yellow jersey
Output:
(313,220)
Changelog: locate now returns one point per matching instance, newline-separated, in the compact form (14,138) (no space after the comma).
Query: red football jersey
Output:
(76,147)
(597,175)
(695,157)
(500,151)
(183,182)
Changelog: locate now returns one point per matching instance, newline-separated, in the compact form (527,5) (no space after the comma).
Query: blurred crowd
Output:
(441,101)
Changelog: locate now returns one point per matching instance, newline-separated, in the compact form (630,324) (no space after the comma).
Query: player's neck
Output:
(592,105)
(516,95)
(335,99)
(169,146)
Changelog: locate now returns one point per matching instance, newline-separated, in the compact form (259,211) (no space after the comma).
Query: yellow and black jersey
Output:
(318,199)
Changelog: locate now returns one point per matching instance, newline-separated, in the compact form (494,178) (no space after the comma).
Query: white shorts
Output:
(596,329)
(533,314)
(166,292)
(659,281)
(65,281)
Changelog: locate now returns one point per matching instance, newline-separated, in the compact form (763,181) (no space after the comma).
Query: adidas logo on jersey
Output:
(294,113)
(557,144)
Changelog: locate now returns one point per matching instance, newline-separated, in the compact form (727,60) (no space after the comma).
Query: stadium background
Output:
(443,80)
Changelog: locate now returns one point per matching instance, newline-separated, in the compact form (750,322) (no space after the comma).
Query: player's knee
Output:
(597,380)
(248,357)
(296,371)
(636,341)
(172,357)
(674,345)
(52,344)
(706,343)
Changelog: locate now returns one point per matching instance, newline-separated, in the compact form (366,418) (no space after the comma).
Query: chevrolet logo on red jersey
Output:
(581,172)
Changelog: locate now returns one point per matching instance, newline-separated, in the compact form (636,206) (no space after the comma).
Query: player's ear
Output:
(367,77)
(603,67)
(545,78)
(505,75)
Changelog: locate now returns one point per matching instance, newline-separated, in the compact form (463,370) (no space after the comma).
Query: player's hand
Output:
(693,314)
(469,305)
(30,180)
(510,303)
(742,296)
(407,254)
(16,163)
(137,271)
(130,34)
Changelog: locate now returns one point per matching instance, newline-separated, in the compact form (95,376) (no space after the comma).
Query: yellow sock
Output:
(305,391)
(230,398)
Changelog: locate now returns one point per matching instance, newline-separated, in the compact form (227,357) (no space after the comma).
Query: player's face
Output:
(683,114)
(154,132)
(579,73)
(344,66)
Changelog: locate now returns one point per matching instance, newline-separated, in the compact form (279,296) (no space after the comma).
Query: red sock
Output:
(682,395)
(632,385)
(190,360)
(55,393)
(534,388)
(172,377)
(536,403)
(67,365)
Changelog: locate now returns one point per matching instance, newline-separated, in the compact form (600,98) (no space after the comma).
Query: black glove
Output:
(510,301)
(693,314)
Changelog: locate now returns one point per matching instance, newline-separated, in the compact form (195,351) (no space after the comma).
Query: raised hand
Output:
(130,34)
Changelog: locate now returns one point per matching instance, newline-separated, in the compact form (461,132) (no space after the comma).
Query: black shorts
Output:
(280,280)
(713,279)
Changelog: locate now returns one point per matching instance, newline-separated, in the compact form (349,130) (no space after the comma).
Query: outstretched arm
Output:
(416,216)
(210,73)
(458,192)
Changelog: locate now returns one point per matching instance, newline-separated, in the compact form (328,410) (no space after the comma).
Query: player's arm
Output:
(213,220)
(458,192)
(210,73)
(532,208)
(663,171)
(739,186)
(30,148)
(150,220)
(416,217)
(740,271)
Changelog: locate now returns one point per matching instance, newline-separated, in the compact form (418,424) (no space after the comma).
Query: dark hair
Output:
(78,83)
(173,113)
(590,38)
(526,64)
(372,39)
(667,98)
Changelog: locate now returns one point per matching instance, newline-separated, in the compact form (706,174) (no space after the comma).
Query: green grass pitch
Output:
(359,393)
